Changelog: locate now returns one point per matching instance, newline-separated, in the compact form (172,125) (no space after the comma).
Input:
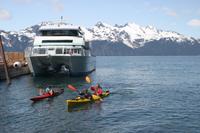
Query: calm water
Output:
(149,94)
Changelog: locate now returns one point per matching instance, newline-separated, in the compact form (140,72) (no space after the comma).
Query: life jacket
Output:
(99,91)
(92,88)
(51,92)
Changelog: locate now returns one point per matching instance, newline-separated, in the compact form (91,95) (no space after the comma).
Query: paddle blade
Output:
(88,79)
(71,87)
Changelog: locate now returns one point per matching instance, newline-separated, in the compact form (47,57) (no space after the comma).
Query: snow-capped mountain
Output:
(18,41)
(133,35)
(127,39)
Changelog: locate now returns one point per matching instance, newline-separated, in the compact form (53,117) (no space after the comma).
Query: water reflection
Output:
(84,107)
(55,80)
(60,81)
(48,101)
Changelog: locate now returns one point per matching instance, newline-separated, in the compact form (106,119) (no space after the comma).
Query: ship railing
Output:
(65,51)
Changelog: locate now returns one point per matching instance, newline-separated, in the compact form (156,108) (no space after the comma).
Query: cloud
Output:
(162,9)
(169,12)
(172,13)
(57,6)
(5,15)
(194,22)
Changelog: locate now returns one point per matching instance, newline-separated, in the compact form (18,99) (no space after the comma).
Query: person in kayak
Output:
(51,92)
(97,90)
(47,89)
(86,94)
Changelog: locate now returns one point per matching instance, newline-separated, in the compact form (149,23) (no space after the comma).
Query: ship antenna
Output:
(61,18)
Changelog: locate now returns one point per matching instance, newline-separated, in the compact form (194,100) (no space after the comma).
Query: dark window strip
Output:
(57,41)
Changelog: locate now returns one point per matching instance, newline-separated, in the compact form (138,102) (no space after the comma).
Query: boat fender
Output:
(17,64)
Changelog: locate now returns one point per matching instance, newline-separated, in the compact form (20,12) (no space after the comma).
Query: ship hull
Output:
(67,65)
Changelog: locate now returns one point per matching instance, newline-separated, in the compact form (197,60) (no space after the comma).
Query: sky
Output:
(182,16)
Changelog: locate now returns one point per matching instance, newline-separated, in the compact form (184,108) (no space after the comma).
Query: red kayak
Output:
(47,95)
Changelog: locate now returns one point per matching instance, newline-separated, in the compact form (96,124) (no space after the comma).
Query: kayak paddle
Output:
(88,79)
(71,87)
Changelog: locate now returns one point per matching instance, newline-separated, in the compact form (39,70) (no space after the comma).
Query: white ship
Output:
(60,48)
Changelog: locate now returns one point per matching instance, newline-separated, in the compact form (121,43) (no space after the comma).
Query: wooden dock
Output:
(13,72)
(7,59)
(11,58)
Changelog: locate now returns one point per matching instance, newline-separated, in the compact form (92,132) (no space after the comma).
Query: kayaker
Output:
(86,94)
(51,92)
(97,90)
(47,89)
(41,91)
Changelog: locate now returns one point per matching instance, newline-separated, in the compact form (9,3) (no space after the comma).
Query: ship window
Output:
(60,32)
(41,51)
(35,51)
(59,51)
(75,51)
(66,51)
(71,51)
(51,49)
(79,51)
(57,41)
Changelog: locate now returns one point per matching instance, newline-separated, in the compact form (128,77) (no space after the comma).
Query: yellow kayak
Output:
(80,101)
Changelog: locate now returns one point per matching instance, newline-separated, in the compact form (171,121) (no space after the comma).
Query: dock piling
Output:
(3,61)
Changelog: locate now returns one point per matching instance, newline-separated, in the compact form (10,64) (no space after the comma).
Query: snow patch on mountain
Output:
(133,35)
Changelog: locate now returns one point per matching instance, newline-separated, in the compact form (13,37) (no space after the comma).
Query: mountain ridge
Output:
(131,33)
(128,38)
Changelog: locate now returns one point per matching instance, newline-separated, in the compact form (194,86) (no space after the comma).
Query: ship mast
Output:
(61,19)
